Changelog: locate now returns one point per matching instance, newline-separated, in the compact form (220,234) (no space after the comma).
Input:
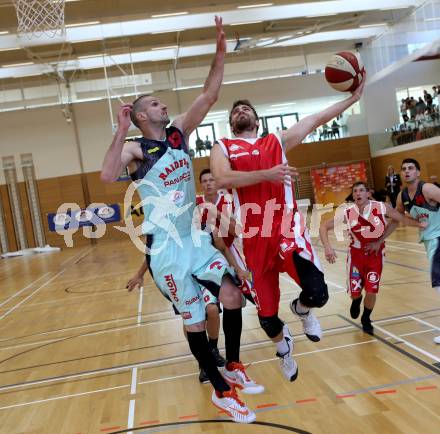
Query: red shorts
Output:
(267,257)
(363,271)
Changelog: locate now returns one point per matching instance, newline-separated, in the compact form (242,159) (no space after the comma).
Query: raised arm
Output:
(329,252)
(190,120)
(298,132)
(225,177)
(119,155)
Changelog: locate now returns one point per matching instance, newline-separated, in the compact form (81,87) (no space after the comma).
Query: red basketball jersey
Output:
(251,154)
(366,227)
(223,205)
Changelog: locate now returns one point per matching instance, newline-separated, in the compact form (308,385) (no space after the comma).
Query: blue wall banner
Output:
(73,219)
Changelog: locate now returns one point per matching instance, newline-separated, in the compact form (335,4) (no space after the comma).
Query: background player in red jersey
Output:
(366,223)
(222,225)
(275,238)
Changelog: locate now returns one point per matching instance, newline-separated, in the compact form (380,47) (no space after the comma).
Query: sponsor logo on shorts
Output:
(355,273)
(193,300)
(186,315)
(356,285)
(169,279)
(255,152)
(217,264)
(373,277)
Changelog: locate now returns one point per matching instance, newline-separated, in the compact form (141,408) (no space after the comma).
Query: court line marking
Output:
(30,295)
(153,314)
(336,285)
(92,333)
(24,289)
(421,321)
(134,372)
(152,363)
(404,242)
(422,252)
(409,344)
(411,356)
(176,377)
(88,249)
(386,261)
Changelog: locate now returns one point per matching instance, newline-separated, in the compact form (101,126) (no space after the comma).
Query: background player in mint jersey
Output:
(160,165)
(366,223)
(257,169)
(422,201)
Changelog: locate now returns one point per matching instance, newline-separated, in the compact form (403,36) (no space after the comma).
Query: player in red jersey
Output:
(366,223)
(221,223)
(275,238)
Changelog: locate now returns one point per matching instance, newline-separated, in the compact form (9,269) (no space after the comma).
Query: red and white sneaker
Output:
(235,374)
(233,407)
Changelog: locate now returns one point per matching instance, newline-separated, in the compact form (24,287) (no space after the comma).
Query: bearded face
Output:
(243,119)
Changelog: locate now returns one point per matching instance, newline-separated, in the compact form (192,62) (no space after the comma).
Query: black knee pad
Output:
(314,291)
(272,325)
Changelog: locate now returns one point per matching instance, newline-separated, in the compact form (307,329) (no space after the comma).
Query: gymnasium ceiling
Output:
(118,27)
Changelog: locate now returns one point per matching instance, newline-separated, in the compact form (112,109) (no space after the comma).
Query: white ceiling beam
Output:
(170,53)
(196,21)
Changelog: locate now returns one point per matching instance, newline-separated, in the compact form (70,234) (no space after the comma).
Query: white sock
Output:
(437,288)
(282,347)
(301,309)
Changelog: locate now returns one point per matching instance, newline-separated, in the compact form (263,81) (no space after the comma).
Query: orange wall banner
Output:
(333,184)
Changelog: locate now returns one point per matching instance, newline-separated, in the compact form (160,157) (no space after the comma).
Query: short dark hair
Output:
(204,172)
(242,102)
(411,160)
(358,183)
(137,107)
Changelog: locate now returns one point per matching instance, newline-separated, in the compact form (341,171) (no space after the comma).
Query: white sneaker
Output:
(311,326)
(237,377)
(437,340)
(287,362)
(233,407)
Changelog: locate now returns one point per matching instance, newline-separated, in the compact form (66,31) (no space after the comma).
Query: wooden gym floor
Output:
(78,354)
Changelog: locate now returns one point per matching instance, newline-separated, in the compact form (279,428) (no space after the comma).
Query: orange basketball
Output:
(343,71)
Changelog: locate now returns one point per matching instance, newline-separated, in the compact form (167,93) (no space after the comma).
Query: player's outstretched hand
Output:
(124,120)
(357,93)
(330,255)
(135,281)
(221,37)
(281,173)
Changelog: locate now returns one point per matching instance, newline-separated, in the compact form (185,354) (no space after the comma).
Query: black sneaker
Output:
(367,326)
(219,360)
(203,377)
(355,308)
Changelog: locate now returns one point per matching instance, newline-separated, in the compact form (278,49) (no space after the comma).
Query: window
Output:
(202,140)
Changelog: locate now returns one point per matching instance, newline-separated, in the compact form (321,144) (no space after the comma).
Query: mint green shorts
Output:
(433,250)
(181,273)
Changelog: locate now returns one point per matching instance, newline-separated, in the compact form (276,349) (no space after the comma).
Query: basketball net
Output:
(37,18)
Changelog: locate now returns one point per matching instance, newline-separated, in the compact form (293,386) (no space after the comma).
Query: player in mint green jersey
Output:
(421,200)
(160,166)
